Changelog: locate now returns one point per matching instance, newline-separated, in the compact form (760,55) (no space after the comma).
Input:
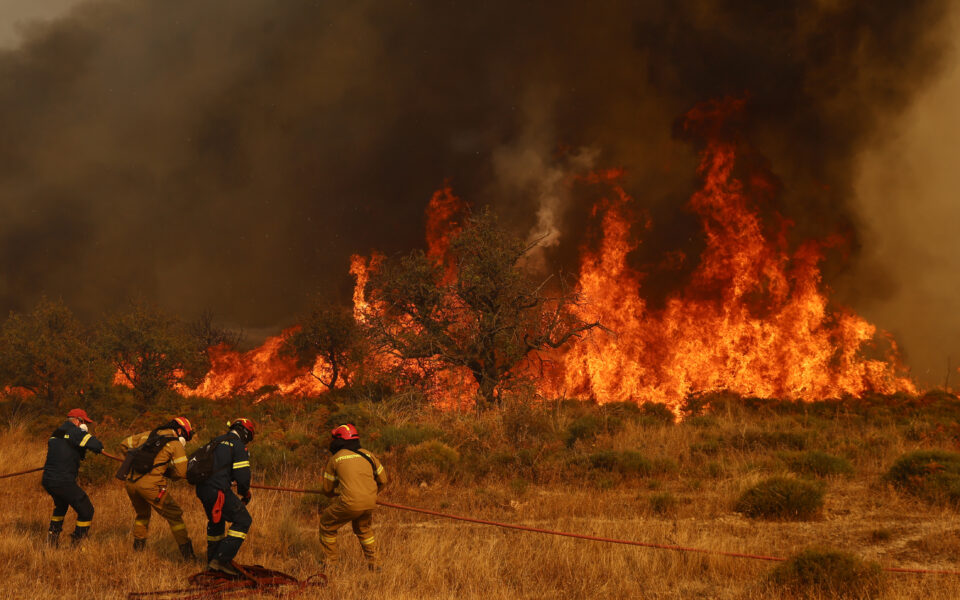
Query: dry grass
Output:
(717,457)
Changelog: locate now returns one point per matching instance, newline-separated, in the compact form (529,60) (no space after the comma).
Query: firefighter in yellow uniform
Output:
(155,457)
(354,476)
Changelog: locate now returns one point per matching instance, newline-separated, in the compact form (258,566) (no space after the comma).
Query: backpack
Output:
(145,454)
(200,464)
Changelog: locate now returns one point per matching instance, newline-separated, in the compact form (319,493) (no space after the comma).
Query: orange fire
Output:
(754,318)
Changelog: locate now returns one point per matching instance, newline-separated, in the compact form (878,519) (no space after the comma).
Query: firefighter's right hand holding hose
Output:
(246,498)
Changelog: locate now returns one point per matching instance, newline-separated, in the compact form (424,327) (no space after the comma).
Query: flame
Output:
(753,320)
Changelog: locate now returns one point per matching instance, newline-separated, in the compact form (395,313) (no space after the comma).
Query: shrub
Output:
(527,421)
(628,462)
(270,461)
(752,439)
(394,436)
(97,469)
(657,413)
(662,503)
(631,462)
(782,498)
(350,413)
(933,475)
(824,573)
(584,428)
(815,462)
(427,461)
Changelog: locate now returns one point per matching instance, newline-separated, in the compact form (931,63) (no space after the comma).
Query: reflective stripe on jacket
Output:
(65,449)
(350,475)
(231,462)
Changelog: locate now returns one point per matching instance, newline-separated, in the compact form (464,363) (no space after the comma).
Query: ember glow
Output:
(754,317)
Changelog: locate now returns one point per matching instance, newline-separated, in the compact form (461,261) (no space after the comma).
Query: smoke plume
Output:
(231,156)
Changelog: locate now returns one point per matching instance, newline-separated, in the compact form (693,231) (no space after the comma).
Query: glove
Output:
(245,498)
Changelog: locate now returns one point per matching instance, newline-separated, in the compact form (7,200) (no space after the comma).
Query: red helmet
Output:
(184,424)
(79,413)
(346,432)
(245,423)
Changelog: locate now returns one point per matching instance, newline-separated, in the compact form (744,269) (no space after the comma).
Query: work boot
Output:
(186,550)
(138,544)
(76,539)
(53,539)
(225,568)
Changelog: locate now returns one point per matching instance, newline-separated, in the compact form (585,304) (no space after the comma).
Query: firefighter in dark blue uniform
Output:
(231,463)
(65,449)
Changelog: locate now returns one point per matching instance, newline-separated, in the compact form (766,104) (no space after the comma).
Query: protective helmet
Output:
(79,413)
(184,424)
(242,425)
(346,432)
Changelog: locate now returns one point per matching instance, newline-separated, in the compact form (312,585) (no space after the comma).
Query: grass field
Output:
(606,471)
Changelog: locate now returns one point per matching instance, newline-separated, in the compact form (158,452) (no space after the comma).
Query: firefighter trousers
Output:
(336,516)
(222,506)
(145,497)
(66,495)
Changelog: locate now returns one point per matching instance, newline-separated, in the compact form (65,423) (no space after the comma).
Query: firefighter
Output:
(231,462)
(65,449)
(166,459)
(354,476)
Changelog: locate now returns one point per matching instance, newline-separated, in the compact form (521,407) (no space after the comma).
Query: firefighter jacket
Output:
(231,462)
(171,460)
(352,477)
(65,449)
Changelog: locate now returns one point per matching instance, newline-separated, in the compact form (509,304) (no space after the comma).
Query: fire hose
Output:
(581,536)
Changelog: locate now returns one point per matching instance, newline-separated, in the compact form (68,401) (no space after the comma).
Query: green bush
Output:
(350,413)
(753,439)
(586,427)
(825,573)
(815,462)
(527,421)
(933,475)
(782,498)
(97,469)
(663,503)
(628,462)
(657,413)
(270,461)
(394,436)
(429,460)
(631,462)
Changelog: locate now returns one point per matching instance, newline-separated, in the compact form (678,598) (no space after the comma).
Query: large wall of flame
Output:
(233,156)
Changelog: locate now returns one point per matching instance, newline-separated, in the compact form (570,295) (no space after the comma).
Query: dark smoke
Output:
(231,155)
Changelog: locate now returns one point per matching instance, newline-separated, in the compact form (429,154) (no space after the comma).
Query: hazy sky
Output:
(14,14)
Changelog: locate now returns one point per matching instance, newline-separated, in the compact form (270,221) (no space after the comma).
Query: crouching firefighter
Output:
(212,468)
(152,459)
(354,476)
(65,449)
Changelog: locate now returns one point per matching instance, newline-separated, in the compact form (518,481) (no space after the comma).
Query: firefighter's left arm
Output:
(240,470)
(329,481)
(178,460)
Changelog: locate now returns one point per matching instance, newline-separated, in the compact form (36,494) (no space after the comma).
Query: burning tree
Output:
(47,353)
(152,352)
(471,307)
(330,333)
